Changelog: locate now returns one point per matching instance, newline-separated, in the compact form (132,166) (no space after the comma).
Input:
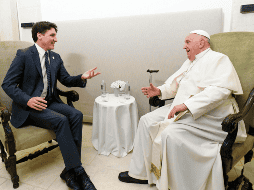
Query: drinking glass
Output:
(105,96)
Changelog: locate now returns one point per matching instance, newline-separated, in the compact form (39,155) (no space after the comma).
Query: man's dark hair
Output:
(42,27)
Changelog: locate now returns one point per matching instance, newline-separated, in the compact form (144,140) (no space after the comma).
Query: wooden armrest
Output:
(226,148)
(229,124)
(72,96)
(5,115)
(9,138)
(156,101)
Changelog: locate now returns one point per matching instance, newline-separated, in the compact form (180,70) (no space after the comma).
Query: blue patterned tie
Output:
(48,75)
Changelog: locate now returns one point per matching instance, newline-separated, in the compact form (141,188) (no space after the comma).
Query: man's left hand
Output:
(176,110)
(90,74)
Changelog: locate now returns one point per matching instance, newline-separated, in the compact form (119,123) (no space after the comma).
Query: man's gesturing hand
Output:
(151,91)
(90,74)
(176,110)
(37,103)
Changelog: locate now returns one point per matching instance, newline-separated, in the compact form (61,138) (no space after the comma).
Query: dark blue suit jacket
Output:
(24,80)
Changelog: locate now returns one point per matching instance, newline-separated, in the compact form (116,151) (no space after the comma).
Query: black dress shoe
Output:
(71,182)
(63,173)
(124,177)
(85,182)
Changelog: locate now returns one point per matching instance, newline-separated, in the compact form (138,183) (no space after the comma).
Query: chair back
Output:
(8,50)
(239,47)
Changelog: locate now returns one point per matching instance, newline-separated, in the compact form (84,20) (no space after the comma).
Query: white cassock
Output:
(185,154)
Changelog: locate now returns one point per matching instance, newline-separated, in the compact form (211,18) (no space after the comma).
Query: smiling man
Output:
(31,83)
(178,145)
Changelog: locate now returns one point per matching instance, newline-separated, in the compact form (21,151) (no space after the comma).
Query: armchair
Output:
(238,46)
(12,139)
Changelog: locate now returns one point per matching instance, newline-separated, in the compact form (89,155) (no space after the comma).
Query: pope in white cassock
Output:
(177,146)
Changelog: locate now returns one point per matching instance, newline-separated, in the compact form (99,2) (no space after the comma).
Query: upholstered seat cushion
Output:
(28,136)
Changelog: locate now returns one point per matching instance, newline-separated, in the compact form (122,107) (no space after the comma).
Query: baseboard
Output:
(87,119)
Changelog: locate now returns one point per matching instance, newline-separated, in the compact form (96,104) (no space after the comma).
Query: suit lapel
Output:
(37,63)
(36,59)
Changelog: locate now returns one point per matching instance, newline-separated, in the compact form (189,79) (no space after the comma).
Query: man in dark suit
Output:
(31,83)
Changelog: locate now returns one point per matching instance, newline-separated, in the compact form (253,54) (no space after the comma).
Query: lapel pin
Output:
(53,57)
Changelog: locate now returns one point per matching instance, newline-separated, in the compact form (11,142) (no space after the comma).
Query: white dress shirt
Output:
(43,68)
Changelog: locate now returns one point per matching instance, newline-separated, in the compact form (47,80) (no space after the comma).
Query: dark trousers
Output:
(66,122)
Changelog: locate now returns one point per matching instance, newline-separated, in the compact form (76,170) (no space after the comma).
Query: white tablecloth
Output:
(114,125)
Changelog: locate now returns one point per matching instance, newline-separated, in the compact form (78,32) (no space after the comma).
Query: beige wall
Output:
(80,9)
(155,49)
(242,22)
(8,20)
(124,48)
(28,11)
(31,11)
(15,12)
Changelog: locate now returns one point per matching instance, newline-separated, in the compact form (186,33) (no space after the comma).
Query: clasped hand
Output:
(90,74)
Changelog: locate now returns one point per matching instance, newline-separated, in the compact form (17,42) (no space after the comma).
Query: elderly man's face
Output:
(48,39)
(192,45)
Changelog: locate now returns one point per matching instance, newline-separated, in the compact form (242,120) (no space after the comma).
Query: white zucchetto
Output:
(201,32)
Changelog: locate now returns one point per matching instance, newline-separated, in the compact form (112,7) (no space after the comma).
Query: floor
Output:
(42,173)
